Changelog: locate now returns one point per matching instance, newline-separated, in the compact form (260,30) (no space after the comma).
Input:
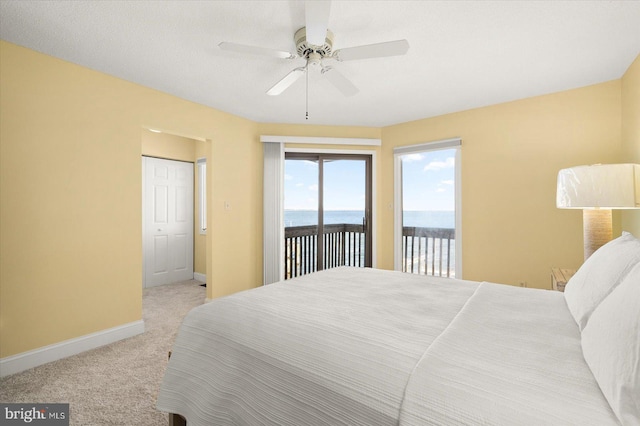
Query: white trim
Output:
(144,214)
(458,201)
(201,164)
(374,216)
(26,360)
(321,140)
(397,213)
(453,143)
(331,151)
(200,277)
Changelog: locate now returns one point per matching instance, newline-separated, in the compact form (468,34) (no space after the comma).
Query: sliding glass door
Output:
(327,212)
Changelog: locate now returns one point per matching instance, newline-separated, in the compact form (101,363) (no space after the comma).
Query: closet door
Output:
(167,221)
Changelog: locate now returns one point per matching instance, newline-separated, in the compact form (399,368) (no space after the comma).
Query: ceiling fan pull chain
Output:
(306,117)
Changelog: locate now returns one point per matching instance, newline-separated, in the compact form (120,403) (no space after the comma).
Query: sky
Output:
(428,180)
(344,185)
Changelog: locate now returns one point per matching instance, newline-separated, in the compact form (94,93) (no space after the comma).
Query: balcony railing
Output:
(428,251)
(343,245)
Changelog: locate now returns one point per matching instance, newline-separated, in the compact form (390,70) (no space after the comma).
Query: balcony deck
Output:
(427,251)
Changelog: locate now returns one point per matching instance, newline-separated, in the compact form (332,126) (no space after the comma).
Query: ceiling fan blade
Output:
(378,50)
(287,81)
(254,50)
(339,81)
(317,20)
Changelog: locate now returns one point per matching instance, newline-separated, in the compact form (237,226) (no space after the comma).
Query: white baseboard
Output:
(26,360)
(200,277)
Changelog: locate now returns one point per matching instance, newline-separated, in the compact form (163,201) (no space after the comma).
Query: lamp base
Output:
(597,229)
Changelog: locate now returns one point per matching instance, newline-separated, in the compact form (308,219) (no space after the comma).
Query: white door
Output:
(167,221)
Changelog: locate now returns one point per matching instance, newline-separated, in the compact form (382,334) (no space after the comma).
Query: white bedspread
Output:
(353,346)
(511,357)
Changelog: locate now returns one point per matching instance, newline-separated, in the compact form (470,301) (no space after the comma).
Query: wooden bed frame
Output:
(177,420)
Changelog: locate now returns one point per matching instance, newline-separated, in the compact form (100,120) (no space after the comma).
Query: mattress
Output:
(358,346)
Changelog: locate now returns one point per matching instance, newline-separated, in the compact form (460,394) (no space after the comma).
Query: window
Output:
(202,195)
(427,213)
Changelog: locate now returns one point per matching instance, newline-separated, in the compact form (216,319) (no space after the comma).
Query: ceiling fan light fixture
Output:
(314,59)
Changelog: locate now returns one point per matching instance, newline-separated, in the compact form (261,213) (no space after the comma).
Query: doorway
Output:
(327,212)
(427,213)
(167,209)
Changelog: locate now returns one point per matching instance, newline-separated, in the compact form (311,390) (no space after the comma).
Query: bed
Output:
(359,346)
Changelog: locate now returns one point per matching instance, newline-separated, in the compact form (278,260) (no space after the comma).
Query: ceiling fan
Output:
(314,43)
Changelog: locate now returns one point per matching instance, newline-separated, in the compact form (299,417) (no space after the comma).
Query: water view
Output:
(424,218)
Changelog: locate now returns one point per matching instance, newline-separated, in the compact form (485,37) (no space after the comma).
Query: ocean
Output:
(430,219)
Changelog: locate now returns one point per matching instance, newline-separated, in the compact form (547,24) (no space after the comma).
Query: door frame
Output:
(373,214)
(453,143)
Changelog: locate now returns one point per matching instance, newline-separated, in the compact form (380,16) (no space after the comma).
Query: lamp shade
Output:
(603,186)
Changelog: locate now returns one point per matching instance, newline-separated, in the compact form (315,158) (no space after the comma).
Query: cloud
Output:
(412,157)
(313,187)
(299,184)
(441,190)
(447,182)
(439,165)
(288,177)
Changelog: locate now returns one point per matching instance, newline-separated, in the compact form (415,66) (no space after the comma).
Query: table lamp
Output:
(598,189)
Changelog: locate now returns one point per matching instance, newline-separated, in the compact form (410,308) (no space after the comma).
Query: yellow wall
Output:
(512,231)
(164,145)
(631,134)
(70,188)
(70,197)
(173,147)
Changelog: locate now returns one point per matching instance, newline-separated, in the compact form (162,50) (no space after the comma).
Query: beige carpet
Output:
(116,384)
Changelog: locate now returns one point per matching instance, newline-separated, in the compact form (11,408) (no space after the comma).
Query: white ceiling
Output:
(462,54)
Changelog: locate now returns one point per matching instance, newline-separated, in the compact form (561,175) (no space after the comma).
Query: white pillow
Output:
(611,347)
(599,275)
